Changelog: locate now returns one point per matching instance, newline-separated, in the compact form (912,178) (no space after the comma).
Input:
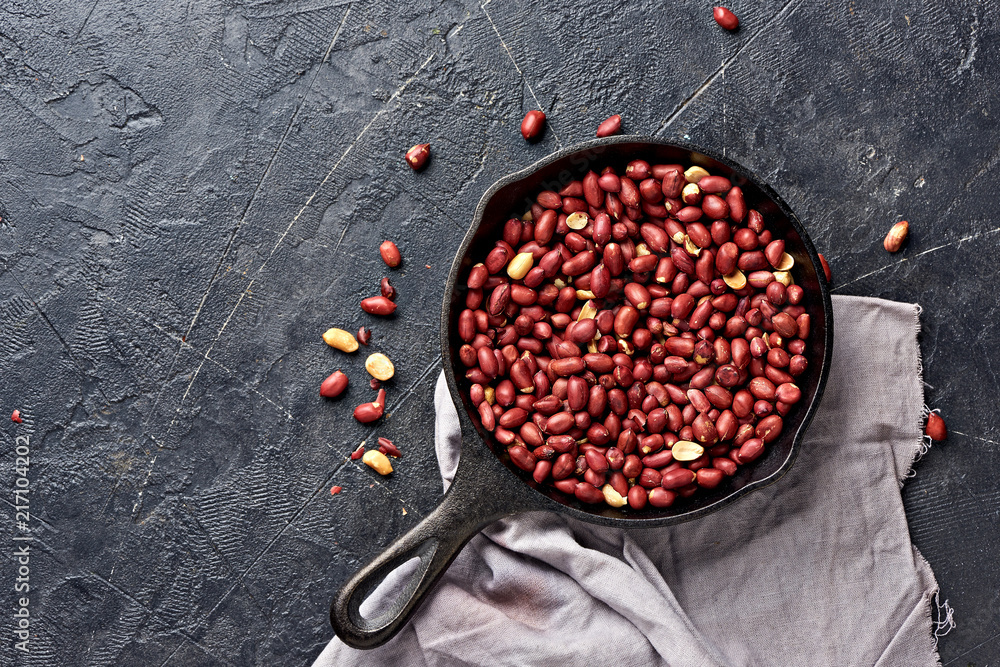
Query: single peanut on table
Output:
(377,461)
(379,366)
(896,236)
(340,339)
(417,156)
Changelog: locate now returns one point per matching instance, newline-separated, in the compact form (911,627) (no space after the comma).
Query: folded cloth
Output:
(817,569)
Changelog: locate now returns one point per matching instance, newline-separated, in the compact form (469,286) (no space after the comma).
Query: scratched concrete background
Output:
(192,192)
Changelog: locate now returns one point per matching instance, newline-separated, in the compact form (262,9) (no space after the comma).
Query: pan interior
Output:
(513,195)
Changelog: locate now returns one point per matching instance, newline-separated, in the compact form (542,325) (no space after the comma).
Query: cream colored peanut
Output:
(612,497)
(340,339)
(695,174)
(786,262)
(577,220)
(685,450)
(736,279)
(520,265)
(377,461)
(379,366)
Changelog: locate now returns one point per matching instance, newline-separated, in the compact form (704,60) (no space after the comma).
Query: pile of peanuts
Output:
(635,337)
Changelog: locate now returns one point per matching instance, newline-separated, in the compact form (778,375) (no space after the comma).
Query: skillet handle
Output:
(469,505)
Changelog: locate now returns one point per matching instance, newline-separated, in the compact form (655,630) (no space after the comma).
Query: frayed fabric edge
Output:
(925,442)
(945,618)
(940,614)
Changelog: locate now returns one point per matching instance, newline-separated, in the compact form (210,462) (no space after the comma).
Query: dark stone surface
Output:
(192,192)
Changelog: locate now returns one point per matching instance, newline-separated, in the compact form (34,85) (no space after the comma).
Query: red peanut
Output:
(612,125)
(378,305)
(725,18)
(390,254)
(611,340)
(532,125)
(334,386)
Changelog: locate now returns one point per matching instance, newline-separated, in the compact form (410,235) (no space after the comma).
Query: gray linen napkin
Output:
(817,569)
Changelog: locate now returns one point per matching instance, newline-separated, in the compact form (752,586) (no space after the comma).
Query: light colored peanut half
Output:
(685,450)
(736,279)
(377,461)
(786,262)
(520,265)
(691,248)
(379,366)
(695,174)
(612,497)
(340,339)
(577,220)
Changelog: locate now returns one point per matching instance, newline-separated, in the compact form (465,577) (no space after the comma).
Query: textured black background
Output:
(192,192)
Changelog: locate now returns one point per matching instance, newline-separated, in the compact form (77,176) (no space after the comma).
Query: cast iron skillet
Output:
(487,486)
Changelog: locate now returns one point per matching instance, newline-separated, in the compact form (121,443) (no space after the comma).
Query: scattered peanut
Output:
(390,254)
(387,447)
(725,18)
(612,125)
(377,305)
(936,428)
(364,335)
(340,339)
(896,236)
(377,461)
(333,386)
(369,412)
(417,156)
(532,125)
(379,366)
(388,291)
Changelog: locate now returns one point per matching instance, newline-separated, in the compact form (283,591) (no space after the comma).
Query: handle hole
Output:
(389,593)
